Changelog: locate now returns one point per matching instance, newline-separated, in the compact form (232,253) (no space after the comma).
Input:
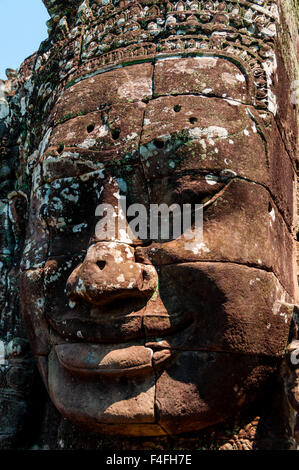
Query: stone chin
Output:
(125,405)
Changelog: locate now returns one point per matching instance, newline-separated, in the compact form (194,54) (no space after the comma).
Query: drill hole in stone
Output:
(115,133)
(90,128)
(177,108)
(60,148)
(270,207)
(101,265)
(193,120)
(145,276)
(159,143)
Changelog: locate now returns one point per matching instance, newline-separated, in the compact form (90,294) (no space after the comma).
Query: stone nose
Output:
(109,273)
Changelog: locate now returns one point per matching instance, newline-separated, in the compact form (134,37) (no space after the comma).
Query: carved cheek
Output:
(56,272)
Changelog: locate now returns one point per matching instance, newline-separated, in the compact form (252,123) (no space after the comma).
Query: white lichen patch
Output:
(131,136)
(80,287)
(228,173)
(272,214)
(78,228)
(56,204)
(196,247)
(136,88)
(87,143)
(40,303)
(67,194)
(209,132)
(232,79)
(148,150)
(122,185)
(211,179)
(232,102)
(129,253)
(207,91)
(240,77)
(101,131)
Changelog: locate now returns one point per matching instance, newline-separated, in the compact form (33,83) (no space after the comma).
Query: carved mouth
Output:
(142,355)
(116,329)
(109,360)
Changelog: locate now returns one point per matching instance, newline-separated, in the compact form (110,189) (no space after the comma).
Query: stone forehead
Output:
(199,129)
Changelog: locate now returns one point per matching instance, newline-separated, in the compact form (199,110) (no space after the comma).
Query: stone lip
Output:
(116,328)
(118,354)
(109,360)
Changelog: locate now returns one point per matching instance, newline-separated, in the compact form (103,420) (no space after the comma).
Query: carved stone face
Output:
(147,338)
